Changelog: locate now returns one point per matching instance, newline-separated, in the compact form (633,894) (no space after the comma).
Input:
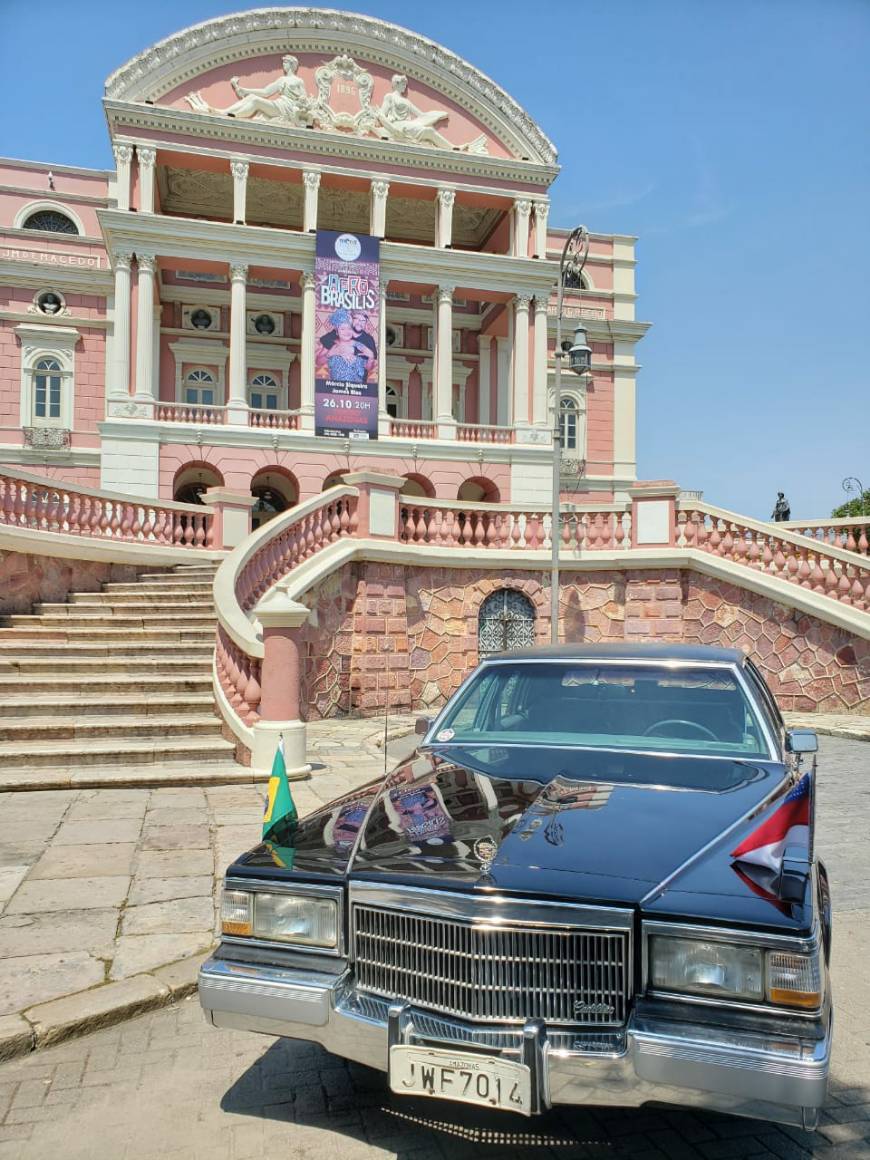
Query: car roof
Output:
(624,651)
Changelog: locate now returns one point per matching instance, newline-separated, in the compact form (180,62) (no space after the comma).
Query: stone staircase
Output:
(114,687)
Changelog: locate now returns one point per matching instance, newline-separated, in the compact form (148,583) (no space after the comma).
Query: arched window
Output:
(568,425)
(199,387)
(47,392)
(51,220)
(394,402)
(506,621)
(263,392)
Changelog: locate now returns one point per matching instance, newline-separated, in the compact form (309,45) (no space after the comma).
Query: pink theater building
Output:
(157,325)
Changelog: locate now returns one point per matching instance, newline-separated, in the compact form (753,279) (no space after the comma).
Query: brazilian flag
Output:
(280,807)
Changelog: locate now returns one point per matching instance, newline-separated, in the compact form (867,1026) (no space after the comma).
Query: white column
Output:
(145,329)
(484,380)
(522,213)
(147,156)
(123,158)
(311,181)
(542,210)
(383,415)
(503,414)
(120,381)
(444,364)
(444,219)
(539,363)
(237,400)
(378,208)
(306,354)
(239,170)
(521,359)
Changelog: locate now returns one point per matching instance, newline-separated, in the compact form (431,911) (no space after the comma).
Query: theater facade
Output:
(192,318)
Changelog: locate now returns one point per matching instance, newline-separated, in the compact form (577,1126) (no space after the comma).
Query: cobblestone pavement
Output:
(99,886)
(166,1085)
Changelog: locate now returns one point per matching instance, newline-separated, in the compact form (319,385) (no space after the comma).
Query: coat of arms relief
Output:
(286,101)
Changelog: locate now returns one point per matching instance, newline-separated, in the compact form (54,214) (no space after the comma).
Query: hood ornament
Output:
(485,850)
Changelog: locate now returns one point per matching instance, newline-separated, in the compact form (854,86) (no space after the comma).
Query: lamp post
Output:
(571,265)
(852,485)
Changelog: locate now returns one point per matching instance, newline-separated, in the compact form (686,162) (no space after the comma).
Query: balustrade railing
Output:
(481,433)
(851,535)
(414,428)
(191,413)
(49,505)
(502,526)
(778,551)
(274,420)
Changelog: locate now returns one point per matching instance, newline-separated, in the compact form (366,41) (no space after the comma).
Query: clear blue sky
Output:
(730,135)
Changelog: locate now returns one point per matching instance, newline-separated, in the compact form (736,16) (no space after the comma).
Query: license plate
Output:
(471,1079)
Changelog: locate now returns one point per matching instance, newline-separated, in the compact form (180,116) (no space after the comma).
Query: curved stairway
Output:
(114,688)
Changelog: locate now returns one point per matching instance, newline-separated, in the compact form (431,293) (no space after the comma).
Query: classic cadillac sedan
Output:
(593,883)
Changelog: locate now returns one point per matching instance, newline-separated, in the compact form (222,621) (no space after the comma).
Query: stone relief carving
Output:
(287,101)
(48,438)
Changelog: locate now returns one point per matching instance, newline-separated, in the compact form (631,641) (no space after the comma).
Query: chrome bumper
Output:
(650,1061)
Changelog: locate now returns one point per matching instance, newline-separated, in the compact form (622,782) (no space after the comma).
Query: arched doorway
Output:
(276,490)
(191,481)
(506,621)
(478,489)
(417,485)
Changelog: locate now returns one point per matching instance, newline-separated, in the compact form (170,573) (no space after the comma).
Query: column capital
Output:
(446,197)
(146,262)
(146,154)
(311,178)
(122,260)
(445,295)
(123,154)
(238,272)
(542,210)
(308,280)
(239,169)
(542,303)
(523,206)
(484,338)
(523,299)
(380,188)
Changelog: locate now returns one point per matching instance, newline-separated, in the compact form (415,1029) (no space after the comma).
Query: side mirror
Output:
(801,741)
(422,725)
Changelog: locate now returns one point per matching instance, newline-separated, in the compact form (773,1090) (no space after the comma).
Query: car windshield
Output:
(615,706)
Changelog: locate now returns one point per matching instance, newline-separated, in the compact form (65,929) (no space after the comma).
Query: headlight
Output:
(290,918)
(731,971)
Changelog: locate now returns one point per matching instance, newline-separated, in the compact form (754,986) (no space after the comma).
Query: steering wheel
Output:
(702,729)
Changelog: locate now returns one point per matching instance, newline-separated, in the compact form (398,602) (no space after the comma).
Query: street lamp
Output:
(571,264)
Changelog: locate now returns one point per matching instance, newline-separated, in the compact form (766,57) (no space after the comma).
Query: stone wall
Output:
(387,636)
(26,580)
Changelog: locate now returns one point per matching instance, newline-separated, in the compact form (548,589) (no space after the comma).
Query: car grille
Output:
(493,974)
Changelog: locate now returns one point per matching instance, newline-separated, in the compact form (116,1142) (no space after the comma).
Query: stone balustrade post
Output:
(232,515)
(280,683)
(378,504)
(653,514)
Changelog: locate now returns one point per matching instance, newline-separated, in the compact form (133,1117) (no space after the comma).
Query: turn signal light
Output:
(237,912)
(794,980)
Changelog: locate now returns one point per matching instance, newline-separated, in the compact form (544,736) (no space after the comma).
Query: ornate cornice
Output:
(192,51)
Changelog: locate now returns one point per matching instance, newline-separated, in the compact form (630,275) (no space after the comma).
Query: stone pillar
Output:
(306,354)
(521,359)
(239,170)
(653,514)
(522,213)
(145,392)
(378,209)
(120,384)
(237,400)
(383,415)
(542,209)
(232,515)
(147,156)
(444,364)
(280,678)
(503,413)
(540,416)
(311,181)
(484,380)
(378,505)
(444,219)
(123,158)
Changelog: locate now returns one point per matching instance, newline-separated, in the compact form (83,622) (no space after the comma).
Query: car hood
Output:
(612,833)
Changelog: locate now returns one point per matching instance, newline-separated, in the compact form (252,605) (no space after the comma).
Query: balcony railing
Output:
(414,428)
(482,433)
(274,420)
(190,413)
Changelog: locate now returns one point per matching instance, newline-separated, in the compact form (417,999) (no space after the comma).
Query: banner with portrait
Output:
(347,326)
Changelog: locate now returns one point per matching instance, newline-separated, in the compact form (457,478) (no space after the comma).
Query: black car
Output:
(594,883)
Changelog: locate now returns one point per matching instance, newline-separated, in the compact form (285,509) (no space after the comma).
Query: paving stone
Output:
(179,916)
(136,954)
(176,838)
(98,832)
(164,889)
(75,894)
(11,878)
(181,977)
(92,1009)
(108,806)
(85,861)
(170,816)
(173,863)
(31,979)
(75,930)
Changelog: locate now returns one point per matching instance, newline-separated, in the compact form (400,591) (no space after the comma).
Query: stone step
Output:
(130,636)
(90,751)
(111,727)
(130,776)
(29,706)
(23,651)
(167,596)
(106,680)
(74,620)
(86,667)
(173,585)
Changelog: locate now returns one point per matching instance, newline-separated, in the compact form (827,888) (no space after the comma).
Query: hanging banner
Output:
(347,325)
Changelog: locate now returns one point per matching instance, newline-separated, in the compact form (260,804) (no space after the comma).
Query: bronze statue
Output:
(782,509)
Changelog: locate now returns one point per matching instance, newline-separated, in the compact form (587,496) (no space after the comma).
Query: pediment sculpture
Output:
(286,101)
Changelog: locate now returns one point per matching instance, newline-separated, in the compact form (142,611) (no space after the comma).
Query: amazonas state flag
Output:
(787,826)
(280,806)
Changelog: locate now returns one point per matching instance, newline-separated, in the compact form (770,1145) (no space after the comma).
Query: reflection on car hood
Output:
(440,824)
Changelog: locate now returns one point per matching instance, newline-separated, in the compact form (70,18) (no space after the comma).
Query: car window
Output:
(680,709)
(766,702)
